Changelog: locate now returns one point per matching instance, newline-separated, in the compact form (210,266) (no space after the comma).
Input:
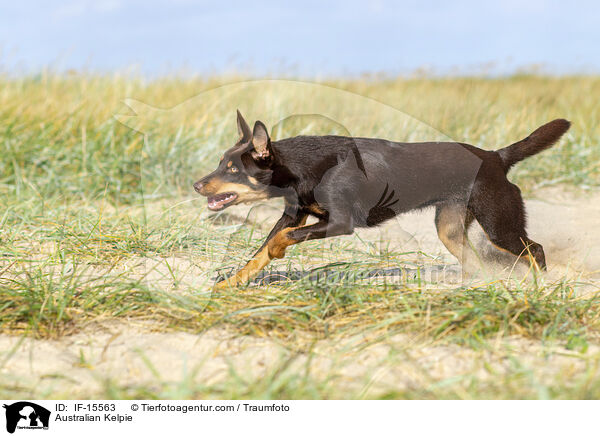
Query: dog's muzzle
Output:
(198,187)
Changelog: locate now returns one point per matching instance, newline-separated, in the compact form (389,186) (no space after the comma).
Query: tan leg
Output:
(280,242)
(452,223)
(275,249)
(248,272)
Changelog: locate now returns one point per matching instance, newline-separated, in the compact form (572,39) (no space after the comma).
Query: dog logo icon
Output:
(26,415)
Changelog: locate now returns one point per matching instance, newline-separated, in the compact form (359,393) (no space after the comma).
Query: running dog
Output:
(348,183)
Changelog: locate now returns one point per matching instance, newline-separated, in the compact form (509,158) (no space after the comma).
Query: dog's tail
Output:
(544,137)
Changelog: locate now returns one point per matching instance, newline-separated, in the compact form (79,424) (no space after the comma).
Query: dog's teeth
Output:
(218,201)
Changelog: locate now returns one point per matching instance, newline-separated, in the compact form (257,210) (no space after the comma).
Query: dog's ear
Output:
(243,128)
(261,141)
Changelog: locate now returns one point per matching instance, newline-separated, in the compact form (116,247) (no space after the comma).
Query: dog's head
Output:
(244,173)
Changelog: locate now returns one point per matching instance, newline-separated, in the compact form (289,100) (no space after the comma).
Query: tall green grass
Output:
(60,138)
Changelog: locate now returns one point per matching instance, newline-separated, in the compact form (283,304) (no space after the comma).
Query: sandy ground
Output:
(129,354)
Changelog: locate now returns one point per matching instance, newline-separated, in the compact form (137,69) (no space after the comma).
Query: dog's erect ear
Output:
(261,141)
(243,128)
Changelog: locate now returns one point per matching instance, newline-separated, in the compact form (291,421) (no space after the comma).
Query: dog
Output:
(351,182)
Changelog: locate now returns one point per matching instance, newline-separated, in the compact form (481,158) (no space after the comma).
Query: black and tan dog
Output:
(348,182)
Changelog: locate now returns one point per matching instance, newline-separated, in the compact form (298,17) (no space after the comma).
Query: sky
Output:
(305,38)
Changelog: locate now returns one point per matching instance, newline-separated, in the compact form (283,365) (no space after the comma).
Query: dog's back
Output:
(380,179)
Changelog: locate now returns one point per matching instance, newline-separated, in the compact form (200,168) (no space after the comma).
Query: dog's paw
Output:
(223,284)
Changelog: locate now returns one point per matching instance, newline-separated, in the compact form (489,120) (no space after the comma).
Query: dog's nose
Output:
(198,187)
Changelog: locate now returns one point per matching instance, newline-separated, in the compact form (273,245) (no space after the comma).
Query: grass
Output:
(98,225)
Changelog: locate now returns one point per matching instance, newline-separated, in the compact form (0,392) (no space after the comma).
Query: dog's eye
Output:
(233,169)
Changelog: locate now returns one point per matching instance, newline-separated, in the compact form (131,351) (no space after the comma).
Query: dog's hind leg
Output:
(452,221)
(503,221)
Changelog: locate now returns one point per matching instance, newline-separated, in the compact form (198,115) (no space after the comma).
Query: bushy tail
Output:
(544,137)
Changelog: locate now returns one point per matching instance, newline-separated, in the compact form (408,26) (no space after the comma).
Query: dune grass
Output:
(80,191)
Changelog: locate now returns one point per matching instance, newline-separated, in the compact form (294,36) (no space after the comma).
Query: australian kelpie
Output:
(348,182)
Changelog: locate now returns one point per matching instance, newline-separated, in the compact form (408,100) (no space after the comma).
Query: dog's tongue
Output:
(219,201)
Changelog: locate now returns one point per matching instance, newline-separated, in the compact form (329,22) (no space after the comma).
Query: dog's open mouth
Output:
(221,201)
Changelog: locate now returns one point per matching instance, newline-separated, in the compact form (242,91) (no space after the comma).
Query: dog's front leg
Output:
(293,235)
(289,219)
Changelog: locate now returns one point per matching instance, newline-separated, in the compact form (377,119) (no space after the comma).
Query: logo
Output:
(26,415)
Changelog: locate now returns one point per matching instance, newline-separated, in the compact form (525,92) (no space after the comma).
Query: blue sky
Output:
(308,38)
